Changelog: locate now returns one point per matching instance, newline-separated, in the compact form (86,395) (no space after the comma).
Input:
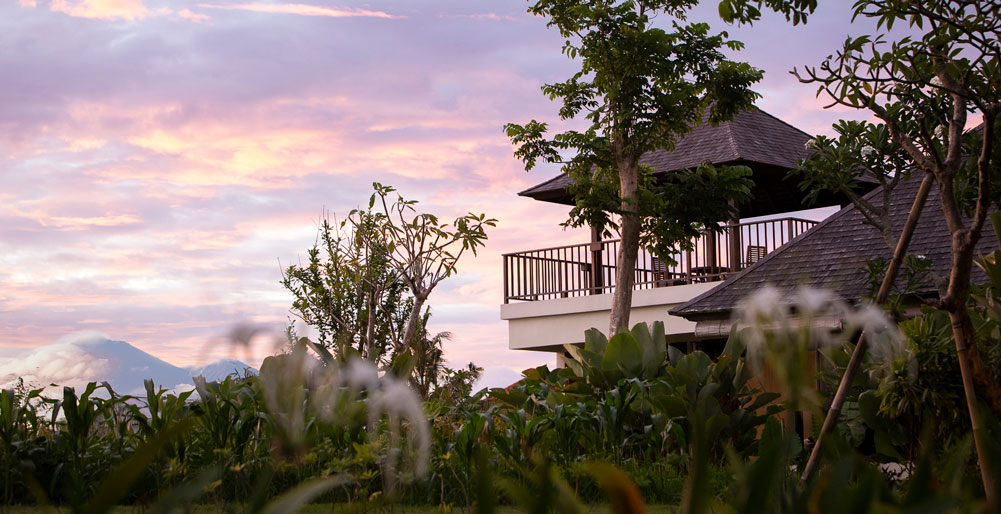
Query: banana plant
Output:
(639,353)
(702,396)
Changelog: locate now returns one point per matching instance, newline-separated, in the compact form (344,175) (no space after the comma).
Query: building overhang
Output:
(548,325)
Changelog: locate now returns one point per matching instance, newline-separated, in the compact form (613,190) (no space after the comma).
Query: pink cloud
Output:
(187,14)
(83,223)
(483,16)
(301,10)
(101,9)
(157,175)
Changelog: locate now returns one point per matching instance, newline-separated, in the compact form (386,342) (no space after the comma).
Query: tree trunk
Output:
(962,327)
(368,341)
(975,377)
(413,322)
(629,230)
(962,330)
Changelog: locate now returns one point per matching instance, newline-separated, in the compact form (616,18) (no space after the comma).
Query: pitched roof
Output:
(833,254)
(752,136)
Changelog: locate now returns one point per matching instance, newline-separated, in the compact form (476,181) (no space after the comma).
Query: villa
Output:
(552,295)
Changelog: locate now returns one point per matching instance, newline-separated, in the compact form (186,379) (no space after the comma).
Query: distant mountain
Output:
(220,369)
(92,357)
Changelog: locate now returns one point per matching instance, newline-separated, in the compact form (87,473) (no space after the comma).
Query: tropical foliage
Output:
(630,419)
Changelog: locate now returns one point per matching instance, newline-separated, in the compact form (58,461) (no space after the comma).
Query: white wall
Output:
(546,325)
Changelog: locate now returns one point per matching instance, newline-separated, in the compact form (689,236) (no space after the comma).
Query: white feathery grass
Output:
(780,333)
(297,383)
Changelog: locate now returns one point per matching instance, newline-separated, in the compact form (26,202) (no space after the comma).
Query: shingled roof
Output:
(751,137)
(833,254)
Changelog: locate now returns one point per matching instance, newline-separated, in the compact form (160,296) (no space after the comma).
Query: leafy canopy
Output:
(640,88)
(348,290)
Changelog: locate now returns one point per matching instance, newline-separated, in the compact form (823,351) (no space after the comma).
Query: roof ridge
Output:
(733,140)
(797,129)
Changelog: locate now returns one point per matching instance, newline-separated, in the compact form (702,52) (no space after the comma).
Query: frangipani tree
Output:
(423,249)
(862,151)
(368,279)
(925,89)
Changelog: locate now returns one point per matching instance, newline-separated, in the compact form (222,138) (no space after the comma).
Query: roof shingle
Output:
(833,254)
(752,136)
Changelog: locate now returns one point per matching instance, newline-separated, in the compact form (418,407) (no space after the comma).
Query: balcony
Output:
(590,268)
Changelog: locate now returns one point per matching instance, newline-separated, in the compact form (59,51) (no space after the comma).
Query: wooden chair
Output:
(755,253)
(661,276)
(659,269)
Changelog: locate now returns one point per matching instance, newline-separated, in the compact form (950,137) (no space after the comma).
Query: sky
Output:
(162,161)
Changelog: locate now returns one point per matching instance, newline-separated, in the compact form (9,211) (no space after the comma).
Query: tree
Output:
(640,88)
(861,150)
(749,11)
(349,291)
(380,266)
(420,248)
(428,358)
(923,89)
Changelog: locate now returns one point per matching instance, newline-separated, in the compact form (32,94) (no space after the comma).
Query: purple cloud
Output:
(161,160)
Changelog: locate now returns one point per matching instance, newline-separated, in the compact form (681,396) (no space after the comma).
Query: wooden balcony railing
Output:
(589,268)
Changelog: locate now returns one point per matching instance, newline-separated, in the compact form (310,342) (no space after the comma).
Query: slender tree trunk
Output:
(958,296)
(368,340)
(962,331)
(629,229)
(976,378)
(413,322)
(834,413)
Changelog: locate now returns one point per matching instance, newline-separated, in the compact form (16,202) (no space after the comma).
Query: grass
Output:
(316,509)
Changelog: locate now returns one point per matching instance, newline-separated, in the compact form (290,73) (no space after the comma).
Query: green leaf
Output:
(868,405)
(671,405)
(623,353)
(715,425)
(674,355)
(771,437)
(595,341)
(403,364)
(512,396)
(622,494)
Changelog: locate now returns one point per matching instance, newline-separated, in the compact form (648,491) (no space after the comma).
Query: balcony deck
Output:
(590,268)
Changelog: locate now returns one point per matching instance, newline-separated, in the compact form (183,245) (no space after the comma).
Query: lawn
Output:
(318,509)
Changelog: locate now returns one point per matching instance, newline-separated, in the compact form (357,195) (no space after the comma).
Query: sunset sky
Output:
(162,160)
